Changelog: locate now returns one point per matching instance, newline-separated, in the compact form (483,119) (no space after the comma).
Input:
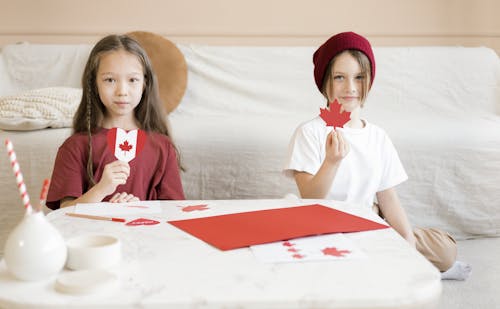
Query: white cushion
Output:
(40,108)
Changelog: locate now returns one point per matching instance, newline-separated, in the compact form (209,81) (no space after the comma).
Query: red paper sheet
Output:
(258,227)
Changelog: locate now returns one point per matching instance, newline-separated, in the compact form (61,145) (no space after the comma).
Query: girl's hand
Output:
(336,147)
(113,175)
(124,198)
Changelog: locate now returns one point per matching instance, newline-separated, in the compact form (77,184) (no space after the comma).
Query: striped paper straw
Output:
(43,193)
(19,176)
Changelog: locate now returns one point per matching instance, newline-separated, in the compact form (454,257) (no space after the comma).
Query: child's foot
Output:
(459,271)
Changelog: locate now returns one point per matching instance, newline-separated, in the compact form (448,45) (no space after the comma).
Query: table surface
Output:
(164,267)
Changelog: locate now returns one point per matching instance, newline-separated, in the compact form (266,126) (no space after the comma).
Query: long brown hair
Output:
(89,116)
(364,63)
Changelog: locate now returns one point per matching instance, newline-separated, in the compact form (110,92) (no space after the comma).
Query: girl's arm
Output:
(317,186)
(394,214)
(114,174)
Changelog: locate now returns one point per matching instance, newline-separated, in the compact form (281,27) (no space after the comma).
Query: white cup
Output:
(93,252)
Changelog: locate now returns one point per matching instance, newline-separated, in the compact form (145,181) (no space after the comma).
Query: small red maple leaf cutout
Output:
(293,250)
(125,146)
(332,115)
(298,256)
(334,252)
(288,244)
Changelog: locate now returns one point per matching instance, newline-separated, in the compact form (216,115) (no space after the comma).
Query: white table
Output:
(164,267)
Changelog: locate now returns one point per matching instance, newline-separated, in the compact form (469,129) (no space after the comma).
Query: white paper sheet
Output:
(122,209)
(315,248)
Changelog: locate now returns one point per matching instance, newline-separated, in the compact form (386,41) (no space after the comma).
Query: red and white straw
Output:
(19,176)
(43,193)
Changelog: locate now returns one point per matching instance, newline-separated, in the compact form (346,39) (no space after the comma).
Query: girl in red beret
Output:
(358,163)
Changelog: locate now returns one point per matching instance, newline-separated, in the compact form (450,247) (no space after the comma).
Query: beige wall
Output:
(255,22)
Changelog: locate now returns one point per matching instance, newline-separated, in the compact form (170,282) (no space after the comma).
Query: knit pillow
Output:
(40,108)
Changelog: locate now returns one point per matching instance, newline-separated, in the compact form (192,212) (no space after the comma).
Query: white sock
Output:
(459,271)
(291,196)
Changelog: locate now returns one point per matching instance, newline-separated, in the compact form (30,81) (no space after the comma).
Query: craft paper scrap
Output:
(264,226)
(142,221)
(314,248)
(191,208)
(126,145)
(121,209)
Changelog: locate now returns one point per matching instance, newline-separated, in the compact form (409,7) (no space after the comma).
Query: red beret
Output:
(334,46)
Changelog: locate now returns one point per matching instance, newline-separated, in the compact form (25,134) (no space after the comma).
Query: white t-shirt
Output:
(372,164)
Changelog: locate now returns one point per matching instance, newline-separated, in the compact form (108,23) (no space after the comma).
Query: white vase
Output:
(35,249)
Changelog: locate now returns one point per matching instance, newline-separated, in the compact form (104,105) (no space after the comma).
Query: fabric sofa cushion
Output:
(40,108)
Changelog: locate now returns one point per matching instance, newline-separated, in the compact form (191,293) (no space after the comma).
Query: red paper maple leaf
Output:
(298,256)
(334,252)
(125,146)
(293,250)
(288,244)
(333,117)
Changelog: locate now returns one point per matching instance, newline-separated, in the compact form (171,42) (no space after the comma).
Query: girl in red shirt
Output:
(119,91)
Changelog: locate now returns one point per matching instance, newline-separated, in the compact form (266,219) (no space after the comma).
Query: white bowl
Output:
(93,252)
